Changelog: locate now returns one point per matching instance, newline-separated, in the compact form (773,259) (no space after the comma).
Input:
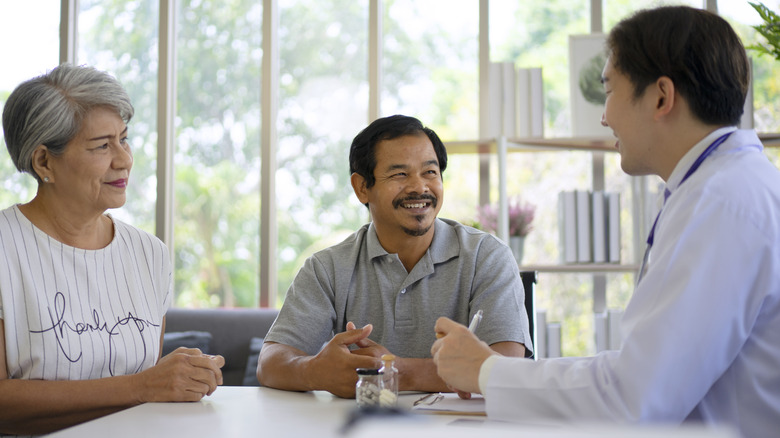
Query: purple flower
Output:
(521,214)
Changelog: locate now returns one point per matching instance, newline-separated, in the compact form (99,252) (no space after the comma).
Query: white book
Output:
(584,248)
(508,80)
(553,339)
(529,102)
(537,103)
(601,331)
(567,226)
(613,323)
(523,102)
(612,201)
(495,100)
(540,349)
(746,122)
(599,227)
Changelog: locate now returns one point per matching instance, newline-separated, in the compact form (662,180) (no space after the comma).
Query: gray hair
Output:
(49,110)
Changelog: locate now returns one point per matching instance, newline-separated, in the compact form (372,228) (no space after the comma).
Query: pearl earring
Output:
(45,179)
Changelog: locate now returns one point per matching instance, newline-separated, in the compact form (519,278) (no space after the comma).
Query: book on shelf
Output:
(614,316)
(601,331)
(608,335)
(746,121)
(599,227)
(508,99)
(589,226)
(529,103)
(540,349)
(612,204)
(553,339)
(582,203)
(515,101)
(567,226)
(495,107)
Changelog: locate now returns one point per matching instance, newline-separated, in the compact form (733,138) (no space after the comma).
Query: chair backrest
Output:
(529,283)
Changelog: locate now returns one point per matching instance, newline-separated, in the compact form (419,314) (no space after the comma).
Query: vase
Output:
(516,244)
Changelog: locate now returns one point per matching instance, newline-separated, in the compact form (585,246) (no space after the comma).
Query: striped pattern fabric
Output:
(75,314)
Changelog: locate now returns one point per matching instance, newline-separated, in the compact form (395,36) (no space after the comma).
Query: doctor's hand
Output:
(458,355)
(333,368)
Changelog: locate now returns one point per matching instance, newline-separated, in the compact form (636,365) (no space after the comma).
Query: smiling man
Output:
(393,277)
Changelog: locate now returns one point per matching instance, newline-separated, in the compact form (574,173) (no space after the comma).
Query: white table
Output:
(234,411)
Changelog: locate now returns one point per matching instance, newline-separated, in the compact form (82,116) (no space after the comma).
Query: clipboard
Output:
(450,404)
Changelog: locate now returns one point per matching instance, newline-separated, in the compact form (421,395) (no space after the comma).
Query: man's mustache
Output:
(411,199)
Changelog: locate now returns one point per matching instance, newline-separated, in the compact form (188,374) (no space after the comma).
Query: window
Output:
(323,105)
(429,70)
(766,70)
(616,10)
(15,19)
(217,201)
(537,35)
(120,37)
(217,157)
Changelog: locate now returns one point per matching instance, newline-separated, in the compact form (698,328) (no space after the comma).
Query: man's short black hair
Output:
(362,153)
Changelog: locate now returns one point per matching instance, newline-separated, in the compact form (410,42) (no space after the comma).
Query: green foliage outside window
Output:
(769,30)
(323,46)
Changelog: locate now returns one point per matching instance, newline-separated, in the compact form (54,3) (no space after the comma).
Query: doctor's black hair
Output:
(698,50)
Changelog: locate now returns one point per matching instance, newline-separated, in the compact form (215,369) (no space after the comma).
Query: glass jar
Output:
(388,397)
(368,387)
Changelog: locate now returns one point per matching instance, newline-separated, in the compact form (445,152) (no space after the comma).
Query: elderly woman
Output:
(83,296)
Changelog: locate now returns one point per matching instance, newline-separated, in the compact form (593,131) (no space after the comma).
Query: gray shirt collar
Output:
(443,247)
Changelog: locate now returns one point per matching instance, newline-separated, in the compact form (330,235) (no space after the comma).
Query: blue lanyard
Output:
(694,167)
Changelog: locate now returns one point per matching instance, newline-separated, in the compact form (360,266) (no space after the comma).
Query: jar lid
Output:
(368,371)
(388,357)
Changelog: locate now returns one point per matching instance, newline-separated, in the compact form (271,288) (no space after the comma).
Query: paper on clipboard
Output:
(450,404)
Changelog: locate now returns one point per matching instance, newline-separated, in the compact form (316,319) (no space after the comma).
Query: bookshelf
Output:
(593,144)
(583,268)
(501,146)
(770,139)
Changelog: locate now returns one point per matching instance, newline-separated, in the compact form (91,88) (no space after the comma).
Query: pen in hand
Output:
(475,321)
(472,326)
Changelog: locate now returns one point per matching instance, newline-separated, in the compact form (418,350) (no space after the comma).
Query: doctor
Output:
(701,330)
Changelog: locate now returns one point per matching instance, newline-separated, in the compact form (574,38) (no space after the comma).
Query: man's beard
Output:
(417,232)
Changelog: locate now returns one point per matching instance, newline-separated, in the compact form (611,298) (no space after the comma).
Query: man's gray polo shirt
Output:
(464,270)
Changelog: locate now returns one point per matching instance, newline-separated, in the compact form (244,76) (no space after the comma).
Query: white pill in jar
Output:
(368,388)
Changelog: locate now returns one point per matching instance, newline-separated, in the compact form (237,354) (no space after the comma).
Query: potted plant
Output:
(521,216)
(770,30)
